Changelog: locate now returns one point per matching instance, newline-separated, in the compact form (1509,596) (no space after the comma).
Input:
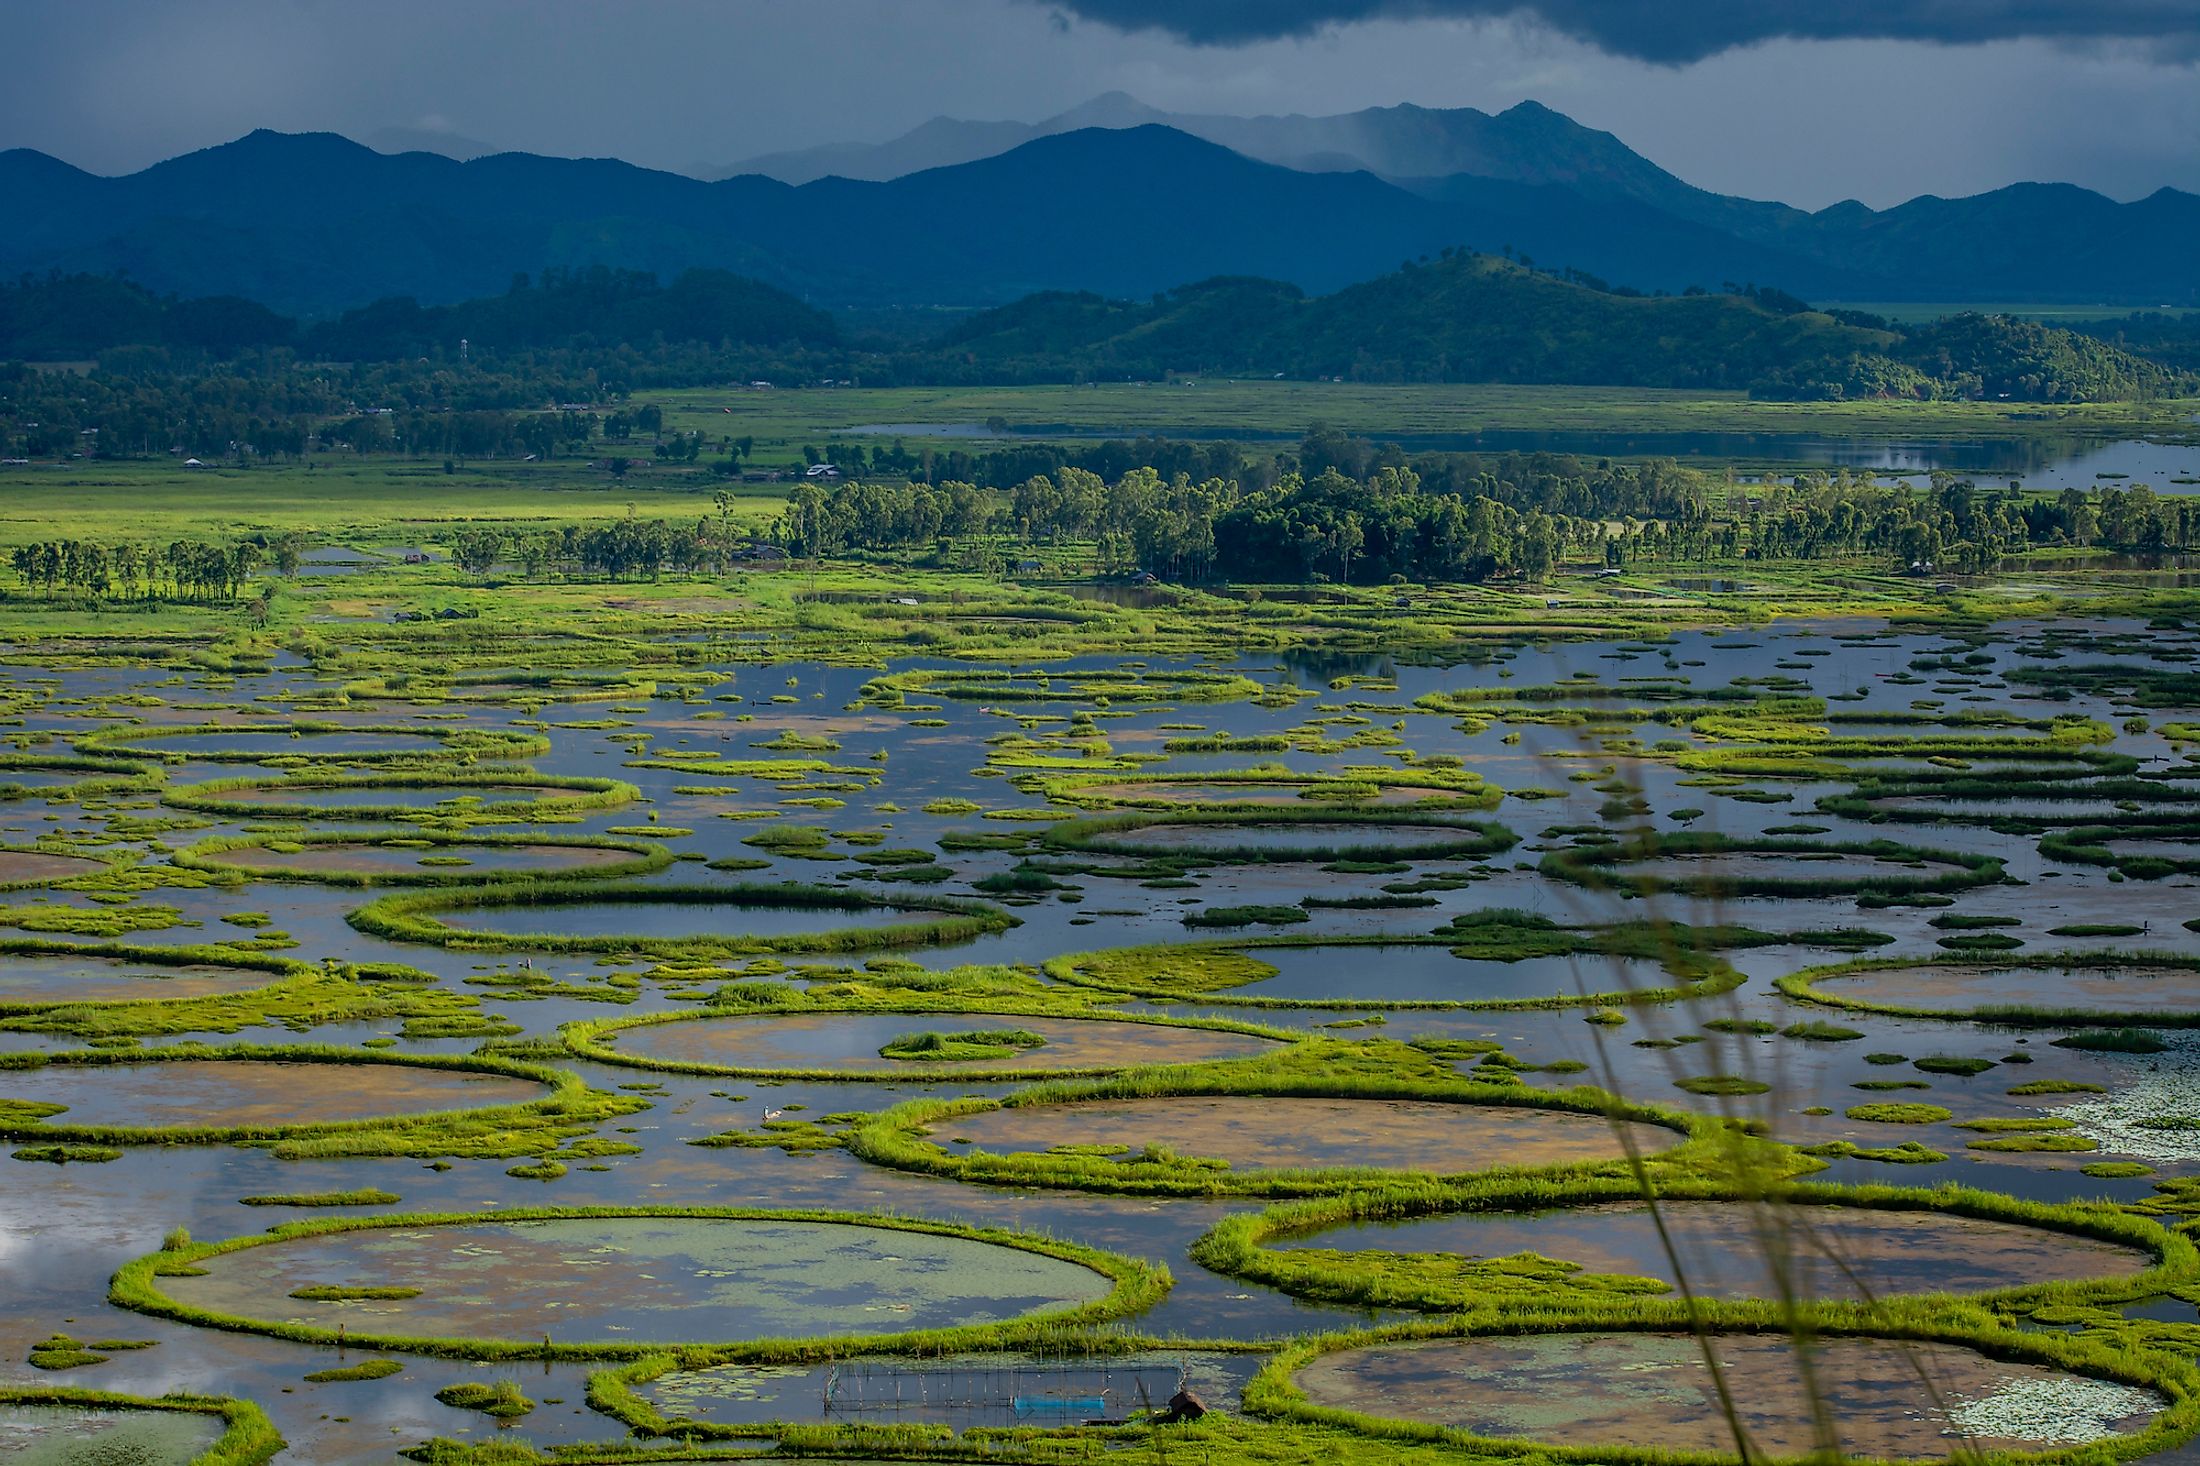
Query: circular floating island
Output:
(1253,836)
(241,1093)
(1594,1395)
(408,858)
(1251,1144)
(1124,684)
(48,1426)
(65,776)
(621,1282)
(1728,1249)
(312,741)
(1377,973)
(39,974)
(514,687)
(2051,990)
(510,797)
(1426,789)
(1722,866)
(917,1046)
(671,920)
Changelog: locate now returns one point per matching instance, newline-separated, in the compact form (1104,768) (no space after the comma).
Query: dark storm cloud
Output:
(1674,32)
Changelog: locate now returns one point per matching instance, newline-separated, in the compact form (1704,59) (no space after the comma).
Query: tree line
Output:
(180,570)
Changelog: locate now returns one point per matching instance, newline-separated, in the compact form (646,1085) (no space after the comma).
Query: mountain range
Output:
(312,224)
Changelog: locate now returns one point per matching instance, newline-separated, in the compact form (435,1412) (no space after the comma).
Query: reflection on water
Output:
(1733,1250)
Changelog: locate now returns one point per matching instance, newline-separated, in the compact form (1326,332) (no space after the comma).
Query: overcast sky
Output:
(1808,101)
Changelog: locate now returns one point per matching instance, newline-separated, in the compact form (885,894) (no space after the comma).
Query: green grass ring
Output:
(574,796)
(1804,987)
(569,1097)
(1452,789)
(1470,838)
(411,917)
(248,1437)
(1237,1246)
(1601,867)
(279,969)
(101,776)
(895,1138)
(644,858)
(1134,1286)
(458,745)
(1710,977)
(592,1039)
(1273,1395)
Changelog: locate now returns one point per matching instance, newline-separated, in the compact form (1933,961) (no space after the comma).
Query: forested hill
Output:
(1460,318)
(76,317)
(1472,318)
(1124,211)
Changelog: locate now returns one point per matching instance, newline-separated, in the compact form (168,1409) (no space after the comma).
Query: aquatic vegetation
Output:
(364,1369)
(513,796)
(502,1400)
(1893,869)
(925,920)
(245,1436)
(1234,835)
(1074,1038)
(366,1196)
(931,1046)
(1861,1241)
(529,1127)
(187,744)
(1423,1109)
(2100,987)
(1112,1286)
(1899,1113)
(417,858)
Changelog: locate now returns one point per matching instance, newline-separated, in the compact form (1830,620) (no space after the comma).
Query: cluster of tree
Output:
(2173,340)
(182,570)
(1485,519)
(624,549)
(1344,506)
(1981,356)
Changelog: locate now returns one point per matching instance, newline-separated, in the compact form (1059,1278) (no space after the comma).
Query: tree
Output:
(476,550)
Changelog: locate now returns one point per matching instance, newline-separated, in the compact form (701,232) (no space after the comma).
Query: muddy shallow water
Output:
(253,1092)
(48,978)
(2133,989)
(365,857)
(1286,841)
(1734,1250)
(730,919)
(1264,1132)
(853,1041)
(1655,1390)
(304,801)
(36,867)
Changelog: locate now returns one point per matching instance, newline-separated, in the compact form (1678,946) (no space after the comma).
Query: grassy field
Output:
(783,420)
(375,503)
